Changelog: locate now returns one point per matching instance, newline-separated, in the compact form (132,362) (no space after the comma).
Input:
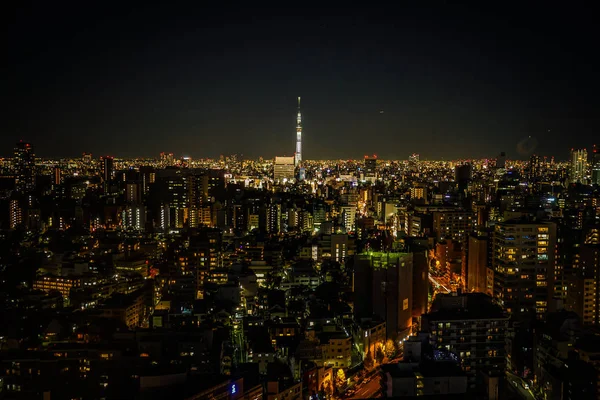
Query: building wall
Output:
(477,264)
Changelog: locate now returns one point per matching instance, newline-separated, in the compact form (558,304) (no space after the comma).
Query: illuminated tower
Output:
(298,135)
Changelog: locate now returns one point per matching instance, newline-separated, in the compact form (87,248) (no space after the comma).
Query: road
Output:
(368,390)
(440,283)
(516,384)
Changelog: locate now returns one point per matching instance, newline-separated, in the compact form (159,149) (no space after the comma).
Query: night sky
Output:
(452,81)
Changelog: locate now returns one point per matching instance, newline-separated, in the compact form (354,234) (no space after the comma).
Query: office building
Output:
(283,169)
(578,166)
(523,267)
(24,167)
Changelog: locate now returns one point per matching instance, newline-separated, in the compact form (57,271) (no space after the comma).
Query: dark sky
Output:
(453,81)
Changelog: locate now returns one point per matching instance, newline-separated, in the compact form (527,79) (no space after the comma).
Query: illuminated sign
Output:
(233,389)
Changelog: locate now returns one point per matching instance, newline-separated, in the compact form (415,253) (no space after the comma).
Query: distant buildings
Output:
(596,166)
(579,165)
(370,168)
(283,169)
(24,167)
(108,171)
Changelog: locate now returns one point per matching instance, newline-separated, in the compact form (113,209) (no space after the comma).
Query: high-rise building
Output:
(418,193)
(578,165)
(596,166)
(298,155)
(205,256)
(108,171)
(339,247)
(583,295)
(370,167)
(133,193)
(348,214)
(57,176)
(501,161)
(164,218)
(473,328)
(134,217)
(148,177)
(274,218)
(15,213)
(453,224)
(24,166)
(462,175)
(283,169)
(523,267)
(534,167)
(477,263)
(383,288)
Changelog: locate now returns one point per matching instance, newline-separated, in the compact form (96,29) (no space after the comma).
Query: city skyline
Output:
(226,81)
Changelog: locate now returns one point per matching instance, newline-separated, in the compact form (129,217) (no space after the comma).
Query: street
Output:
(516,384)
(368,389)
(440,283)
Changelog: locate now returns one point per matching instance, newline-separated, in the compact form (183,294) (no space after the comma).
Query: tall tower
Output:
(298,157)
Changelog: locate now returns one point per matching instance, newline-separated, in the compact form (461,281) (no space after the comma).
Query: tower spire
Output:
(298,155)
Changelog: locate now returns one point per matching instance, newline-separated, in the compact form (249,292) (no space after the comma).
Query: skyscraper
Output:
(578,165)
(383,288)
(370,167)
(24,165)
(298,156)
(596,166)
(534,168)
(108,167)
